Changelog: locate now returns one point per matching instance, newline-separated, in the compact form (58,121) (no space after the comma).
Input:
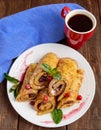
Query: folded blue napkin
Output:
(18,32)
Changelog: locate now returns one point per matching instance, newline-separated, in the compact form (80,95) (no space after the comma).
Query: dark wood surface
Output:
(9,119)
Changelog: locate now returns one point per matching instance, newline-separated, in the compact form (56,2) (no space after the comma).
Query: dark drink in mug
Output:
(79,26)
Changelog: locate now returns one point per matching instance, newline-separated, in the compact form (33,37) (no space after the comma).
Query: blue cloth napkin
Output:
(18,32)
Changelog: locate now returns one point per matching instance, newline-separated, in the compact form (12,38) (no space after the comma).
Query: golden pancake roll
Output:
(44,103)
(56,87)
(39,78)
(73,91)
(67,67)
(26,92)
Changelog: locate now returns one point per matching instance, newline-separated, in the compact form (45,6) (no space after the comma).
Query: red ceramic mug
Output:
(79,26)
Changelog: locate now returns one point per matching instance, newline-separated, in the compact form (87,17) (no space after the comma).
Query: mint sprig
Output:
(53,72)
(13,88)
(11,79)
(57,115)
(16,84)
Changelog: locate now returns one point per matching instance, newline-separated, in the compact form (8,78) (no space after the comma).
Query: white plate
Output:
(71,114)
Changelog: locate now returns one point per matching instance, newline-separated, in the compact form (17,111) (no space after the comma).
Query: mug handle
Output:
(64,11)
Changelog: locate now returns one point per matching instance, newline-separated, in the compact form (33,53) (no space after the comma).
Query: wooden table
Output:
(9,119)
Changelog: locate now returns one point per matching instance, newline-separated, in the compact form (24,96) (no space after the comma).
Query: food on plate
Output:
(38,79)
(26,92)
(71,95)
(44,103)
(67,67)
(56,87)
(53,83)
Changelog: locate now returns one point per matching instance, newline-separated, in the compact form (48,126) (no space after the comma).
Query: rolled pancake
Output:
(39,78)
(56,87)
(67,67)
(73,91)
(44,103)
(26,94)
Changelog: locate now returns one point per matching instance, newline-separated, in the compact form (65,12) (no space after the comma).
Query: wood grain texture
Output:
(8,7)
(9,119)
(45,2)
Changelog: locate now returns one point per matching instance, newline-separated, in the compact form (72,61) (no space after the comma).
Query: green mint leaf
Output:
(17,84)
(11,79)
(13,88)
(57,115)
(57,76)
(46,68)
(53,72)
(16,91)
